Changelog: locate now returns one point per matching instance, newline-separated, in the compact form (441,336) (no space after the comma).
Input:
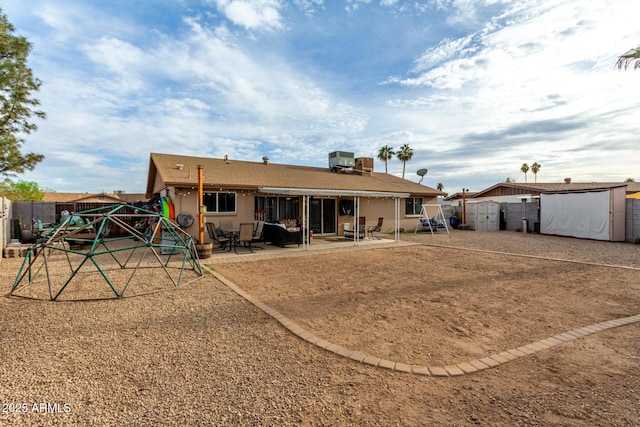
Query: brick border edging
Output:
(453,370)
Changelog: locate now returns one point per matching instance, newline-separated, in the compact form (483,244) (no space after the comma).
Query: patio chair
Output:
(245,237)
(349,233)
(226,224)
(362,224)
(375,228)
(257,234)
(220,242)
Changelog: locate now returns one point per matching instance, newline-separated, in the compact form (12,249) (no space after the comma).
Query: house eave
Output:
(333,193)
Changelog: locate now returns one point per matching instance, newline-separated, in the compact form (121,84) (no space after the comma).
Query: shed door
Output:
(482,217)
(493,216)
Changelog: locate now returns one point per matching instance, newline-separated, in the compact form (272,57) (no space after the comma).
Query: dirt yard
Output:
(203,355)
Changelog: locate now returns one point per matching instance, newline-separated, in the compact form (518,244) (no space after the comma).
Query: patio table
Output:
(232,233)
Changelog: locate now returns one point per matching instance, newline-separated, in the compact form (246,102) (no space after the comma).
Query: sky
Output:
(476,88)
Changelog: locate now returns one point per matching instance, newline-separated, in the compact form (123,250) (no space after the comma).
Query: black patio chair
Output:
(375,228)
(219,241)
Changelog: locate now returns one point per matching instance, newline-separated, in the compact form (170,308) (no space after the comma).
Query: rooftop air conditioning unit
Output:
(341,159)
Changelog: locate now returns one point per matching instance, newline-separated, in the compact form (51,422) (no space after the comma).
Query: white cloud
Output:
(535,82)
(252,14)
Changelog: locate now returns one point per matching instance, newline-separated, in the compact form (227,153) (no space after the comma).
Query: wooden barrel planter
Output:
(204,250)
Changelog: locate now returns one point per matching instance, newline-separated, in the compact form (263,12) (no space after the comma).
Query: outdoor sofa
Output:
(277,234)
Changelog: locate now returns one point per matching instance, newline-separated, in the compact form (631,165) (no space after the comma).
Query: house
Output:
(324,198)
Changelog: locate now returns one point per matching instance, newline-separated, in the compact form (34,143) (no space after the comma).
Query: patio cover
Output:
(356,194)
(323,192)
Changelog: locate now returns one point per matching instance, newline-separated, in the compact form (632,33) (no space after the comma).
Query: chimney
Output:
(567,180)
(265,160)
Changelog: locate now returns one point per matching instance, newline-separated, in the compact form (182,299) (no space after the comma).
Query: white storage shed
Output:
(484,215)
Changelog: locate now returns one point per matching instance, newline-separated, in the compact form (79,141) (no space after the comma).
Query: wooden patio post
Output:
(464,207)
(200,204)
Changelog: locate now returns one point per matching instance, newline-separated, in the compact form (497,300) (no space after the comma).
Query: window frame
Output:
(412,201)
(216,209)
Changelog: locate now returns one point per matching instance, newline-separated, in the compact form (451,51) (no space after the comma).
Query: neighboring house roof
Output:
(511,188)
(177,171)
(458,195)
(91,198)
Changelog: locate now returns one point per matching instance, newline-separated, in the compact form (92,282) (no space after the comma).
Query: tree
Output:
(524,168)
(21,191)
(632,55)
(629,180)
(404,155)
(440,186)
(385,154)
(535,168)
(510,180)
(16,103)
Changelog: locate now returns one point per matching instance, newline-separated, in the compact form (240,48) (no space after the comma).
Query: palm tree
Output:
(440,186)
(386,153)
(404,155)
(632,55)
(524,168)
(535,167)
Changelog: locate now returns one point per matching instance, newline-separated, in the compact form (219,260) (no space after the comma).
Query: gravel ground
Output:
(567,248)
(201,355)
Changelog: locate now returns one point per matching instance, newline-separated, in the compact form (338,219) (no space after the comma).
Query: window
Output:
(220,202)
(277,208)
(413,206)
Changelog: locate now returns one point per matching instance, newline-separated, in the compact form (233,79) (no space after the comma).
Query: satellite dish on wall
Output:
(421,173)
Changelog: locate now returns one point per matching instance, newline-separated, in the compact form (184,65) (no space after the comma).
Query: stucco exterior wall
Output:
(186,200)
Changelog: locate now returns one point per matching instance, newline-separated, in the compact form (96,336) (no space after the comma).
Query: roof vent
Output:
(567,180)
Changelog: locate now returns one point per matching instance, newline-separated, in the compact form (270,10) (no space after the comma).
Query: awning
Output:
(334,193)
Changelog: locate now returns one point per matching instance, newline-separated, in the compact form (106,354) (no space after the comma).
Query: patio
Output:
(318,245)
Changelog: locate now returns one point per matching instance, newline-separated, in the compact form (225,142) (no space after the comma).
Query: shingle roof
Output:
(176,170)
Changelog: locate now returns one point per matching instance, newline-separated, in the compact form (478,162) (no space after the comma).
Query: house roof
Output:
(79,197)
(458,195)
(177,171)
(52,196)
(537,188)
